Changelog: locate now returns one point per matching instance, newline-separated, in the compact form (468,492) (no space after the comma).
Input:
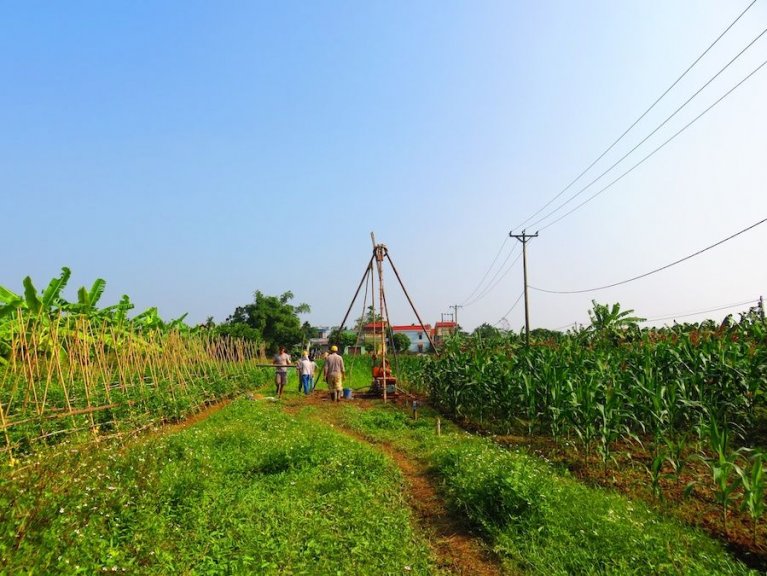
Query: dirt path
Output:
(456,549)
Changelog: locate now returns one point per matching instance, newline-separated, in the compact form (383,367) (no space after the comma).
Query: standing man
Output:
(281,362)
(305,368)
(334,373)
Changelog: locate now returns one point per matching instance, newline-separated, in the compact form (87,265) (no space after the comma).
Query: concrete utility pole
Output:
(455,308)
(524,237)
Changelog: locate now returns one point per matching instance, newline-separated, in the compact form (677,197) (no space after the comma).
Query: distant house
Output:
(324,331)
(320,344)
(371,327)
(419,336)
(442,330)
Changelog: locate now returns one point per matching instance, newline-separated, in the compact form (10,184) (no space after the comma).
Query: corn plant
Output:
(655,471)
(676,444)
(726,473)
(753,490)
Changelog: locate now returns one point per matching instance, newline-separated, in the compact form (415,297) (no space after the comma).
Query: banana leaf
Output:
(52,294)
(30,295)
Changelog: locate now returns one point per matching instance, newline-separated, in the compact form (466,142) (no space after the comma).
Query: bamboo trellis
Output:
(71,375)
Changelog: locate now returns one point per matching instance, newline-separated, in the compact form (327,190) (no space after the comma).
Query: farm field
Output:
(674,417)
(248,490)
(523,240)
(122,453)
(304,486)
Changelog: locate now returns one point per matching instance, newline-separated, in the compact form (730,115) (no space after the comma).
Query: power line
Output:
(638,119)
(643,160)
(512,307)
(495,282)
(505,240)
(672,316)
(657,269)
(492,286)
(622,158)
(568,325)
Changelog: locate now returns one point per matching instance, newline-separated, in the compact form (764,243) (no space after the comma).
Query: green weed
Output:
(248,491)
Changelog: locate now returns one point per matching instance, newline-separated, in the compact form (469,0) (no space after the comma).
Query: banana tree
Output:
(87,299)
(41,309)
(610,323)
(47,302)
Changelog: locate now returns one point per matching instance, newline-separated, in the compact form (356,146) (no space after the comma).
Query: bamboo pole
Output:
(8,424)
(62,381)
(49,364)
(8,445)
(27,363)
(118,361)
(138,364)
(101,362)
(13,373)
(84,363)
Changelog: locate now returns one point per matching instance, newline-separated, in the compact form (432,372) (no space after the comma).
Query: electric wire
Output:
(638,119)
(717,309)
(643,160)
(493,280)
(491,283)
(688,257)
(512,307)
(568,325)
(681,315)
(506,239)
(622,158)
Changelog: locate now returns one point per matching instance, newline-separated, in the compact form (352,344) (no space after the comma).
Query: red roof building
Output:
(442,330)
(419,336)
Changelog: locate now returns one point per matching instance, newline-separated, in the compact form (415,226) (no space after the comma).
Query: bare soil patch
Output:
(203,414)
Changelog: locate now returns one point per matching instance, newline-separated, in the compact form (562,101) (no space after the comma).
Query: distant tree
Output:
(368,318)
(486,331)
(401,342)
(237,330)
(342,338)
(275,319)
(545,334)
(309,331)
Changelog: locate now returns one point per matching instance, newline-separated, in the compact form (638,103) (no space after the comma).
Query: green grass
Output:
(250,490)
(539,521)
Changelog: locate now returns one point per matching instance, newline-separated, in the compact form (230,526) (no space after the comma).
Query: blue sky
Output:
(192,152)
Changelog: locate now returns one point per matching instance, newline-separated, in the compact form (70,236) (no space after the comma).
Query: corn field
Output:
(673,390)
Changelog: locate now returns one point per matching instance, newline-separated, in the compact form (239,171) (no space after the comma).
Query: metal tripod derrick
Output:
(381,253)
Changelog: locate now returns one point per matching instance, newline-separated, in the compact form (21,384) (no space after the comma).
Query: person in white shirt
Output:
(306,373)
